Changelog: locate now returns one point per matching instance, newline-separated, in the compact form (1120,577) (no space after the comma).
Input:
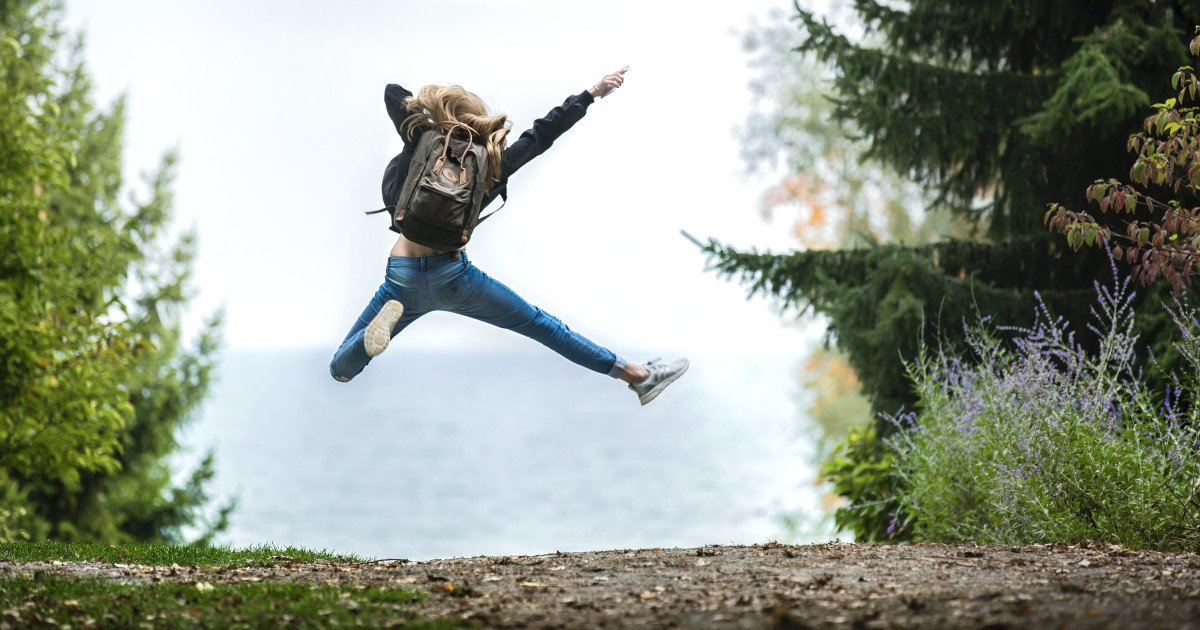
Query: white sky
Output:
(277,110)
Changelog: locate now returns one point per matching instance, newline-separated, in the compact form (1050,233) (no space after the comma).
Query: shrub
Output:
(1035,439)
(864,473)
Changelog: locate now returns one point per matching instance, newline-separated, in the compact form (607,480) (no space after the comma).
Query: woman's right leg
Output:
(352,356)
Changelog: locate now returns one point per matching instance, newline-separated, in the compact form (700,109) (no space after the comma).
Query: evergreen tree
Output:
(837,198)
(94,379)
(996,109)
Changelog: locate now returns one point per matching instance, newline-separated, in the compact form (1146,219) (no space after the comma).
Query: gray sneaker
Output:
(660,376)
(379,331)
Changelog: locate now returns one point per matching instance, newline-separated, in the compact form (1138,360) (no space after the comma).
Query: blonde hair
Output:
(448,104)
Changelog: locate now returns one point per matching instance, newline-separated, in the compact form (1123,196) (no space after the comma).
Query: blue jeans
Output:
(449,282)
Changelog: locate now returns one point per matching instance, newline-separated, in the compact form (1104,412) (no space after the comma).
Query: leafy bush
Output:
(1159,239)
(864,473)
(1036,439)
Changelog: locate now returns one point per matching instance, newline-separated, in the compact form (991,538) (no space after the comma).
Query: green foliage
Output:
(962,97)
(1097,86)
(1160,239)
(837,198)
(1040,441)
(9,517)
(864,474)
(62,404)
(995,109)
(1009,104)
(94,381)
(878,298)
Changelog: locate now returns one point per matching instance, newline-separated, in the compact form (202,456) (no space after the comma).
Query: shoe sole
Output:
(658,389)
(379,331)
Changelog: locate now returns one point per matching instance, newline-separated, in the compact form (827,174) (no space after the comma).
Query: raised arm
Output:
(545,130)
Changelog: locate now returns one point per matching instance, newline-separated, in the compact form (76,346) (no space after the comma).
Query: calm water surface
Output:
(427,456)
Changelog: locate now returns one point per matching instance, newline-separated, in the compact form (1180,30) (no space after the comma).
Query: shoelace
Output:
(654,366)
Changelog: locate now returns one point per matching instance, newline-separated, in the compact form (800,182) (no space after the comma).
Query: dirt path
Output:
(836,585)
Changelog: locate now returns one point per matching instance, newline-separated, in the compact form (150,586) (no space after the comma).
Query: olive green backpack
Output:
(441,197)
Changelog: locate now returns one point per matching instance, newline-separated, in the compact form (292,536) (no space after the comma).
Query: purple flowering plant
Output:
(1037,439)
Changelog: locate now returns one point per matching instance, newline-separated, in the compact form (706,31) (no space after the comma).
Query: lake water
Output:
(436,455)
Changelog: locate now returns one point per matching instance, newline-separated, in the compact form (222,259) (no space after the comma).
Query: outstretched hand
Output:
(609,83)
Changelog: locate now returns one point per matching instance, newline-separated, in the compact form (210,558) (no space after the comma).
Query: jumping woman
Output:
(421,279)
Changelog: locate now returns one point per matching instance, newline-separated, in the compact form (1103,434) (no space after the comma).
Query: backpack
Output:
(441,197)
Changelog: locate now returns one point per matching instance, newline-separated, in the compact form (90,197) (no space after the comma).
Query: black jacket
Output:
(532,143)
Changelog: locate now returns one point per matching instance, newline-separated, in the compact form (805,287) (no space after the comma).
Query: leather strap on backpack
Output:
(462,176)
(437,165)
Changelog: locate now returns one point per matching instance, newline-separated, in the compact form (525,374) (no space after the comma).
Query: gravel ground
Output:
(834,585)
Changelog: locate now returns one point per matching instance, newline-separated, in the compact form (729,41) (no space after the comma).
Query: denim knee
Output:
(543,327)
(335,375)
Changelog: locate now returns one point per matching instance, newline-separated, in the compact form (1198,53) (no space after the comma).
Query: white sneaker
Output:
(379,331)
(660,376)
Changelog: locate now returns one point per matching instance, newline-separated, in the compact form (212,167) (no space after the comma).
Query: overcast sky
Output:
(277,111)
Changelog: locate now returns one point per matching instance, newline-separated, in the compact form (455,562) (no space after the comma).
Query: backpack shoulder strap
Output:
(503,196)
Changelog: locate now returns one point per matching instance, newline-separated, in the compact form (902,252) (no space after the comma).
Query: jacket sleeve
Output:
(393,98)
(543,133)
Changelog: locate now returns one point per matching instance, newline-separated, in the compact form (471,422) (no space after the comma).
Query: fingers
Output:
(609,83)
(615,78)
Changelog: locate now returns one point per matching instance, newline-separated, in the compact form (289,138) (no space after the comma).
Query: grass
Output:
(46,600)
(164,555)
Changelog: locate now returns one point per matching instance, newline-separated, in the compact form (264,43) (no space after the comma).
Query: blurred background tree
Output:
(836,196)
(95,381)
(992,110)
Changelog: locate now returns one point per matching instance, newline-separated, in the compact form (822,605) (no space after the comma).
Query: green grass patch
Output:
(165,555)
(46,600)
